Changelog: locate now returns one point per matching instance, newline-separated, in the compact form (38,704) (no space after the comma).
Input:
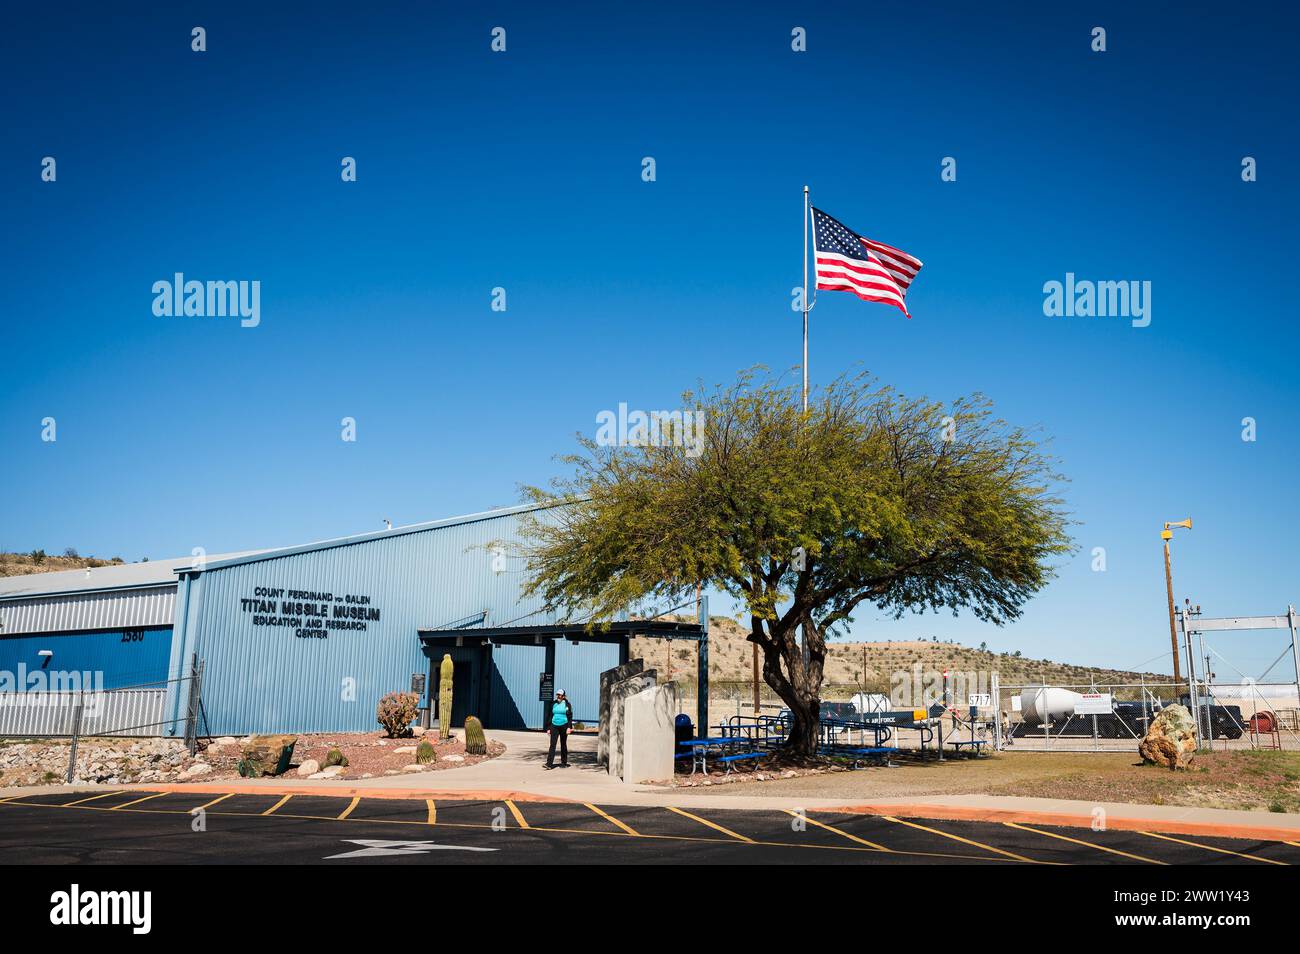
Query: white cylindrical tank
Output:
(1055,705)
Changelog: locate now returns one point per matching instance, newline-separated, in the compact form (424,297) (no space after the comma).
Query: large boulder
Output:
(1171,740)
(266,755)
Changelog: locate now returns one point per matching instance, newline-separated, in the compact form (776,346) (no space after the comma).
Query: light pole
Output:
(1166,535)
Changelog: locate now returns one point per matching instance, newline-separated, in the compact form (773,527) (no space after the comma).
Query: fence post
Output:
(997,714)
(76,731)
(192,709)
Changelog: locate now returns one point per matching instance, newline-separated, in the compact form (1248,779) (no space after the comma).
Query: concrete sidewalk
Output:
(520,774)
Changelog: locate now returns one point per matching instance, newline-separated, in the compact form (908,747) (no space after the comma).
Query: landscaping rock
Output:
(1171,740)
(197,769)
(404,750)
(266,755)
(308,768)
(413,767)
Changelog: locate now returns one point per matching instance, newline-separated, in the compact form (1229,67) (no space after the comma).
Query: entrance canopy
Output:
(435,641)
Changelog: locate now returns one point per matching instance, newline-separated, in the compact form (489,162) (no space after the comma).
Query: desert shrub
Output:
(396,711)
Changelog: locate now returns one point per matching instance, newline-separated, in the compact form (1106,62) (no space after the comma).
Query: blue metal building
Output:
(308,638)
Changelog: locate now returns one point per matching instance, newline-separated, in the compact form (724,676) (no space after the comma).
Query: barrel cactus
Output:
(445,673)
(334,757)
(425,753)
(475,741)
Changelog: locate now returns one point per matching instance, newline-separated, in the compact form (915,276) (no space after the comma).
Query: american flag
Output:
(871,270)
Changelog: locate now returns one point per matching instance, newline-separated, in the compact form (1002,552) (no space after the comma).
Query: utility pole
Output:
(1166,535)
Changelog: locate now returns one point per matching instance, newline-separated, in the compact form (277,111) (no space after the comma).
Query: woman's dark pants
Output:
(560,732)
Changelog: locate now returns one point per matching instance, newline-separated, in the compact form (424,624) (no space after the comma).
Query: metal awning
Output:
(614,632)
(618,632)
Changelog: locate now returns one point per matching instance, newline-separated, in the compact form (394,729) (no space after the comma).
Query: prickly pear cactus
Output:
(475,741)
(445,673)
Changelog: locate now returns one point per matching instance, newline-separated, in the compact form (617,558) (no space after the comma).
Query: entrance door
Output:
(463,684)
(465,677)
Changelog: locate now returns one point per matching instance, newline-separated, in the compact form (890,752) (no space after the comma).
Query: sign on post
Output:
(546,687)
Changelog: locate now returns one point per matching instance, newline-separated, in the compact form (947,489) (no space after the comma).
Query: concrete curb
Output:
(1068,820)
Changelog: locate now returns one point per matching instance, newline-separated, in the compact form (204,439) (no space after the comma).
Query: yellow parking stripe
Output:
(612,820)
(215,801)
(433,811)
(348,811)
(519,816)
(715,827)
(1293,844)
(1222,851)
(832,828)
(1086,844)
(137,801)
(965,841)
(272,810)
(595,833)
(82,801)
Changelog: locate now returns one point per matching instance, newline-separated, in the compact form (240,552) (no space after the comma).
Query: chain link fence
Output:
(127,712)
(1114,717)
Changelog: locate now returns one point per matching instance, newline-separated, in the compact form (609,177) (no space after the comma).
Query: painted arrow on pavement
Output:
(374,847)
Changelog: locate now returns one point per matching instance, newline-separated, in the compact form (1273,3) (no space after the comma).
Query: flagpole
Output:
(805,299)
(803,630)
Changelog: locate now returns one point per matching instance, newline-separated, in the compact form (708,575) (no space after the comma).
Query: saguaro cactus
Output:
(475,741)
(445,672)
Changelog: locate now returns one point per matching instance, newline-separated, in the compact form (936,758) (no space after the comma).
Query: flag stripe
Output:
(862,267)
(892,262)
(871,288)
(866,297)
(898,253)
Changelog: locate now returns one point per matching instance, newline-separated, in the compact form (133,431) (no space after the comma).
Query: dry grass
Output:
(22,564)
(1247,780)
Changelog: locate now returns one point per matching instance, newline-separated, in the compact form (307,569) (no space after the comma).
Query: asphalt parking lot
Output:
(135,827)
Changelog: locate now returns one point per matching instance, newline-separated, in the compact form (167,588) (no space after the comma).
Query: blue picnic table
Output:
(698,751)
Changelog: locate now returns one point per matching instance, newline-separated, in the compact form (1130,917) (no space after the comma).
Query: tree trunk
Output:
(802,741)
(799,686)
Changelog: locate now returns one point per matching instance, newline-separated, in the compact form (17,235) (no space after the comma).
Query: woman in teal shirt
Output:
(561,719)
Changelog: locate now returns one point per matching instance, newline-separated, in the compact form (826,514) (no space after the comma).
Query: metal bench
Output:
(976,745)
(873,753)
(731,760)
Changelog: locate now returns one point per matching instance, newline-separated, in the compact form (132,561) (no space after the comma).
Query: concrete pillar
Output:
(607,680)
(618,695)
(648,734)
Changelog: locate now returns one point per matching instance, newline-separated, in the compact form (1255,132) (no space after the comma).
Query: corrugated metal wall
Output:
(514,687)
(262,678)
(119,659)
(577,671)
(118,609)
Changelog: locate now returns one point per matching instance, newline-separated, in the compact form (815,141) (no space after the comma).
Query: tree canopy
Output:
(906,504)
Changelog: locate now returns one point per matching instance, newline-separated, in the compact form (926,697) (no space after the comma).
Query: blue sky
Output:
(522,170)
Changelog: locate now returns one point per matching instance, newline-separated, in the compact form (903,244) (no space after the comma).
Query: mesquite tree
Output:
(905,504)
